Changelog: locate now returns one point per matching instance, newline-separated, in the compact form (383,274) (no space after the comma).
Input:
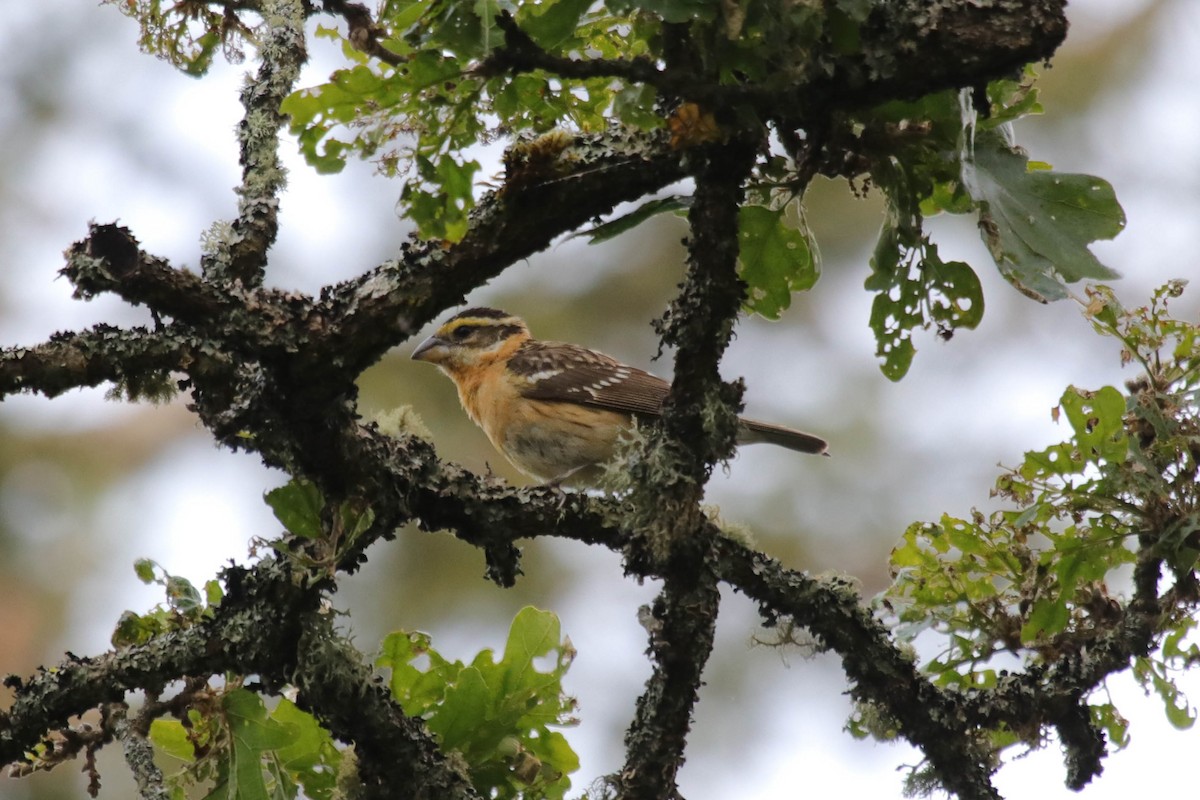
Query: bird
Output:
(557,411)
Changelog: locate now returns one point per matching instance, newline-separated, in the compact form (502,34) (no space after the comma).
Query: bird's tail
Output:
(753,432)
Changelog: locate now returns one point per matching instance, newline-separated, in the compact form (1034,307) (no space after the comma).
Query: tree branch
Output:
(130,358)
(241,255)
(880,673)
(139,755)
(681,624)
(363,33)
(407,481)
(701,411)
(907,49)
(110,259)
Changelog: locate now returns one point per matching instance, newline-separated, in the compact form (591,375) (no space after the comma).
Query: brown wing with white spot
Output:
(568,373)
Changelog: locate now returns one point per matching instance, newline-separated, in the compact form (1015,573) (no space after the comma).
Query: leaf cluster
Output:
(1077,551)
(326,532)
(230,742)
(942,154)
(496,715)
(185,606)
(188,34)
(421,111)
(928,156)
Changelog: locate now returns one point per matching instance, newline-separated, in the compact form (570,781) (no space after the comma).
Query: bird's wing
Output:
(569,373)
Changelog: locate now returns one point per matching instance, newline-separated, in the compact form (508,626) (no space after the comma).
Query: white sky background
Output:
(163,162)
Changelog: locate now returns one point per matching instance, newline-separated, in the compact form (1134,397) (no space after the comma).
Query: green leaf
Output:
(171,737)
(1176,646)
(1057,459)
(673,204)
(250,724)
(776,258)
(356,518)
(183,596)
(398,652)
(915,289)
(252,734)
(213,593)
(1098,419)
(310,758)
(466,714)
(144,569)
(297,504)
(1179,712)
(533,634)
(634,106)
(1106,717)
(1048,617)
(133,629)
(552,22)
(1038,225)
(400,15)
(843,26)
(1011,100)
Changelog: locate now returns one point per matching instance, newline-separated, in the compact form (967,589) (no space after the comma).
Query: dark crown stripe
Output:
(505,331)
(481,313)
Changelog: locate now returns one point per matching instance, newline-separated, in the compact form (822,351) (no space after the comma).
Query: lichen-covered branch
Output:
(139,755)
(136,359)
(960,44)
(110,259)
(681,625)
(880,673)
(698,429)
(240,254)
(699,322)
(941,722)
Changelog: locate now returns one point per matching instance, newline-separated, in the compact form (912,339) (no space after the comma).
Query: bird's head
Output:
(472,336)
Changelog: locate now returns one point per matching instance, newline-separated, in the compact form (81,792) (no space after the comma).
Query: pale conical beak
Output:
(432,350)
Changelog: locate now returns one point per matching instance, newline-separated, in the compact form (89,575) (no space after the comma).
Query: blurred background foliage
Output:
(92,129)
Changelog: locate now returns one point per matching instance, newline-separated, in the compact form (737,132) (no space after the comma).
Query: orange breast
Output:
(489,399)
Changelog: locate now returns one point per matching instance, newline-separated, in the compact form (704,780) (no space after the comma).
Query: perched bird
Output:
(556,410)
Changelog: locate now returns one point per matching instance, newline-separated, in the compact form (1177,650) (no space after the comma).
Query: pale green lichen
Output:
(617,474)
(349,785)
(402,421)
(217,241)
(735,531)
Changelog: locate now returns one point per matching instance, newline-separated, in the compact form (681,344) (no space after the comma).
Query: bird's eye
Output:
(461,333)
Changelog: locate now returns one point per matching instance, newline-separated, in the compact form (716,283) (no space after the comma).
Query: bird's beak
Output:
(432,350)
